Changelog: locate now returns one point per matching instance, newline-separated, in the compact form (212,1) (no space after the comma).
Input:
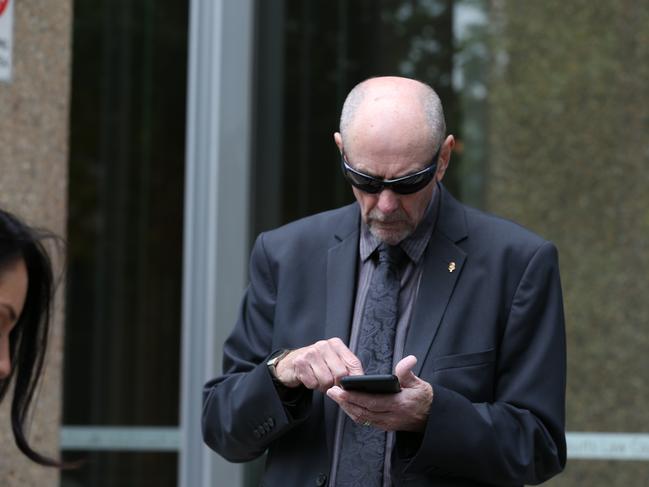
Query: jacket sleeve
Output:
(518,438)
(243,411)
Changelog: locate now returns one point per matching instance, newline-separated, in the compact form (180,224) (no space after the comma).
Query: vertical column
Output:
(216,214)
(33,184)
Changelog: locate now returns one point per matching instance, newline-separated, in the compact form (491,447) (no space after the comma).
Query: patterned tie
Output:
(363,447)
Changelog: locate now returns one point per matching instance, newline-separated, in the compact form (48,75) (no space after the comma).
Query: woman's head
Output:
(13,292)
(26,287)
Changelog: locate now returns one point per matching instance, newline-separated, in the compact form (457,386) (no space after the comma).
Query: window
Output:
(127,129)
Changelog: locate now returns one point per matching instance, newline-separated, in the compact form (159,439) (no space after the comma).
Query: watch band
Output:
(274,360)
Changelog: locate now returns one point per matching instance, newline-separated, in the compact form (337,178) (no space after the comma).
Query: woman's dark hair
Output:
(28,339)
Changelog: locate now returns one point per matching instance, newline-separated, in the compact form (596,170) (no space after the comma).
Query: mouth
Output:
(387,224)
(386,219)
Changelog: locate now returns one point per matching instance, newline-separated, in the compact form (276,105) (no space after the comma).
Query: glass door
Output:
(125,231)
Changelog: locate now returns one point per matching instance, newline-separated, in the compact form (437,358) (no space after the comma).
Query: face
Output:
(392,217)
(13,291)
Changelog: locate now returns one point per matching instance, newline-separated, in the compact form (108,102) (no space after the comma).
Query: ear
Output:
(339,141)
(444,157)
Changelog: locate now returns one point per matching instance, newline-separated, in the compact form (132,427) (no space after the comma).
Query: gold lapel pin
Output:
(451,266)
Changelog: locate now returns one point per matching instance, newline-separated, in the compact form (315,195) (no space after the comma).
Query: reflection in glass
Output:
(123,325)
(310,54)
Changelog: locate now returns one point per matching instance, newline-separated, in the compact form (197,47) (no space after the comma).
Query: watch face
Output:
(279,356)
(273,362)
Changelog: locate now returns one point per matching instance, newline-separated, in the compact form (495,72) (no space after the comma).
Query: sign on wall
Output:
(6,38)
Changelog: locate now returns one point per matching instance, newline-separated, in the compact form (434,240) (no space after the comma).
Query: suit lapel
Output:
(342,263)
(442,267)
(341,283)
(435,289)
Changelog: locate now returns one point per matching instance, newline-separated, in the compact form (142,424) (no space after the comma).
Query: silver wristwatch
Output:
(274,360)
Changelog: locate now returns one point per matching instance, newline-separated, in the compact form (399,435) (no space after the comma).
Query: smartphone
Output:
(377,384)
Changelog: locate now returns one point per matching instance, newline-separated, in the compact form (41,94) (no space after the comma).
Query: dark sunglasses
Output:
(404,185)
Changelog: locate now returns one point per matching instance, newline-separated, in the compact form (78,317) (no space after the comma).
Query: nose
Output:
(5,359)
(388,201)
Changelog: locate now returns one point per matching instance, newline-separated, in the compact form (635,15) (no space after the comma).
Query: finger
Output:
(352,362)
(323,375)
(306,376)
(320,365)
(304,370)
(337,368)
(365,417)
(358,414)
(355,412)
(357,399)
(404,373)
(334,362)
(336,393)
(377,403)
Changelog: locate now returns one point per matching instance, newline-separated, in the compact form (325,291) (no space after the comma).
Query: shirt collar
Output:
(415,244)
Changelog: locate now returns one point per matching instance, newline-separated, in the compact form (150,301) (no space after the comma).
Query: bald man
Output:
(475,334)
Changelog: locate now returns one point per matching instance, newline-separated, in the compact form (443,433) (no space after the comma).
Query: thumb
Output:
(403,371)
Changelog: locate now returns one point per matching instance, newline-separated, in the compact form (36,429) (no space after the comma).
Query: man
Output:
(467,309)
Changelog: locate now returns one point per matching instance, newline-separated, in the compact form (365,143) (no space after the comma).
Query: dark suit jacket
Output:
(489,336)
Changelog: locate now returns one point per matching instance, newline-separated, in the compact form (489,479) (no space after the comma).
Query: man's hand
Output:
(318,366)
(404,411)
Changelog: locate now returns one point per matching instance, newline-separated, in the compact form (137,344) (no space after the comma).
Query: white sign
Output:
(6,38)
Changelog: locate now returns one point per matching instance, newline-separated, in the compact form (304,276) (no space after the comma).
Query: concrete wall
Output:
(569,158)
(33,184)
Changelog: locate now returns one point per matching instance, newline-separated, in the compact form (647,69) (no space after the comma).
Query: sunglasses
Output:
(404,185)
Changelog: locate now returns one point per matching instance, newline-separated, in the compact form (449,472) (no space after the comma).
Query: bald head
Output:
(393,107)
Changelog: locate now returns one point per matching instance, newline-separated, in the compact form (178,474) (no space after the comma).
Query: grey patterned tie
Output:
(363,447)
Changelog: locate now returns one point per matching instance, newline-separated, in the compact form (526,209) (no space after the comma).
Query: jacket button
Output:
(321,480)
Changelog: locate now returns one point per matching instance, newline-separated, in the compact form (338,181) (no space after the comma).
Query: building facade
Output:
(161,137)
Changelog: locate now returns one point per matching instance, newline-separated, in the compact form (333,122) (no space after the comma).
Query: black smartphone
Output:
(377,384)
